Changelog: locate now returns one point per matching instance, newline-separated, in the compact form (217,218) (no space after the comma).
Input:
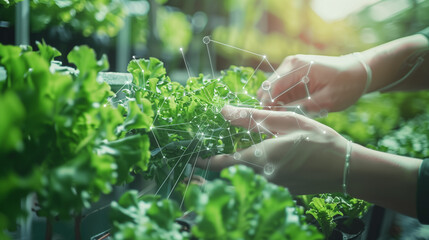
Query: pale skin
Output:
(308,157)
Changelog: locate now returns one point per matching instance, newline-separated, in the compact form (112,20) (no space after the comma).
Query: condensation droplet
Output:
(237,156)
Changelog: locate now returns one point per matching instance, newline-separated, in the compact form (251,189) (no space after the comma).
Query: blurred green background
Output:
(275,28)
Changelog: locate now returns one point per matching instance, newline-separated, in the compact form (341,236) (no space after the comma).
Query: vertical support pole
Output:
(123,46)
(22,23)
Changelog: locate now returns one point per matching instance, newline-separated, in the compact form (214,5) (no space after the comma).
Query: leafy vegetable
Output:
(324,214)
(247,208)
(146,218)
(100,16)
(61,137)
(187,120)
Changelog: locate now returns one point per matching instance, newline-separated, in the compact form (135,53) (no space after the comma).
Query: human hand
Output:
(302,154)
(317,84)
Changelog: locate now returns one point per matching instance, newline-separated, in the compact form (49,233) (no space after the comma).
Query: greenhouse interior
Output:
(226,119)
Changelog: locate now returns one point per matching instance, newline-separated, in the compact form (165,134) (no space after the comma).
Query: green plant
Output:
(100,16)
(147,217)
(187,121)
(324,214)
(61,137)
(352,208)
(245,206)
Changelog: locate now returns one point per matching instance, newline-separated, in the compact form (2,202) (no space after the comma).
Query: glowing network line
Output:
(194,147)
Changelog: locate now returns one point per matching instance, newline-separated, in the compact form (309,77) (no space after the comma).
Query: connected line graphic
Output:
(256,132)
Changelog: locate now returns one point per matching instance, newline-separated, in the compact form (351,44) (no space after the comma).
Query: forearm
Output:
(384,179)
(386,59)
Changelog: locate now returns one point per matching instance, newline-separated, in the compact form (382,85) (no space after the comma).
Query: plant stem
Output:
(48,233)
(77,222)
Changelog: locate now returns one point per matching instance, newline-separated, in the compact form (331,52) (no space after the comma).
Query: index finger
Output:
(269,122)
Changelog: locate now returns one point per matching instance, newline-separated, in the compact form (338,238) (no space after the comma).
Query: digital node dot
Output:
(323,113)
(181,49)
(269,169)
(237,156)
(258,152)
(266,85)
(305,79)
(206,40)
(243,114)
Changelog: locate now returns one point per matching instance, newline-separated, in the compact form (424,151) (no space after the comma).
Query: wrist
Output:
(385,60)
(384,179)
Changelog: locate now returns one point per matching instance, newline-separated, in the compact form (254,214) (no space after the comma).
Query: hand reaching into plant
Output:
(306,156)
(322,83)
(333,83)
(309,157)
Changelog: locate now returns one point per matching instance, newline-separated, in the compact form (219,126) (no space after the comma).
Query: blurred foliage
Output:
(278,28)
(387,20)
(86,17)
(7,3)
(377,115)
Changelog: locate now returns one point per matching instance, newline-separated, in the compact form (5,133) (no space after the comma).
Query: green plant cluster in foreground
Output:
(60,137)
(245,206)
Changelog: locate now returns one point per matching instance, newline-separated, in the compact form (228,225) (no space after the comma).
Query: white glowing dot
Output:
(206,40)
(258,152)
(134,57)
(181,49)
(309,98)
(163,156)
(105,105)
(272,100)
(269,169)
(248,132)
(311,62)
(324,132)
(220,137)
(258,124)
(208,148)
(299,106)
(264,56)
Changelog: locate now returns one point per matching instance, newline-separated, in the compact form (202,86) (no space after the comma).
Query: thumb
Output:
(269,122)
